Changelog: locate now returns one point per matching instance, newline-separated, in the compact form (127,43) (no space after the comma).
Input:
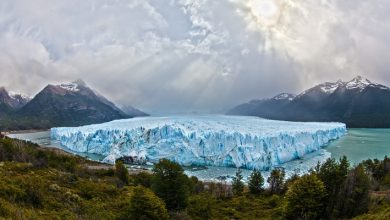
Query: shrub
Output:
(145,205)
(305,198)
(121,172)
(200,207)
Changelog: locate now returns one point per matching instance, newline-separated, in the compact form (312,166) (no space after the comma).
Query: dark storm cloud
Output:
(190,55)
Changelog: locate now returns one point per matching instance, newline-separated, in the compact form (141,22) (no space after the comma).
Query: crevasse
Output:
(230,141)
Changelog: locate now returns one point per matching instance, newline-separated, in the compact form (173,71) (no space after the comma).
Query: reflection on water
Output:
(358,145)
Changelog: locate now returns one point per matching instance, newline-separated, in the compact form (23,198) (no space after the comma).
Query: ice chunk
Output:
(229,141)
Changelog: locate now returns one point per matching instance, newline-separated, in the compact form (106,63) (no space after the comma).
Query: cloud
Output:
(191,55)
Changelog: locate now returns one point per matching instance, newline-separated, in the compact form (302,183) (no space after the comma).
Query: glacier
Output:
(212,140)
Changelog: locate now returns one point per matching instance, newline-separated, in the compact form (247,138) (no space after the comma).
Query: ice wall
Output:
(232,141)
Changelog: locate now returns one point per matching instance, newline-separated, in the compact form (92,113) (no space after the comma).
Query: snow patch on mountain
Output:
(284,96)
(228,141)
(72,87)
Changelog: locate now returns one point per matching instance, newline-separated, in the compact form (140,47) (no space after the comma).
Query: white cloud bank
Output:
(191,55)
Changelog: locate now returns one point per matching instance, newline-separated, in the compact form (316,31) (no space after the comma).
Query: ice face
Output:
(228,141)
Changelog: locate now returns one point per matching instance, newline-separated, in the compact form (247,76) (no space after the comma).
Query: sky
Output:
(182,56)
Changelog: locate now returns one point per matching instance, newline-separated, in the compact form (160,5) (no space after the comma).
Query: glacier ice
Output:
(214,140)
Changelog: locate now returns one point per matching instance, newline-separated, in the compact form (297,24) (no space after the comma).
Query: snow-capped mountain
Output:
(358,84)
(67,104)
(358,103)
(10,101)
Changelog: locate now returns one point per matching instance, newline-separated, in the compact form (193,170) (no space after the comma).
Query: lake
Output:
(357,145)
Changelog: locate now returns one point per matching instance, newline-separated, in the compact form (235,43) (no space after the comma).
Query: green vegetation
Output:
(41,183)
(238,185)
(145,205)
(256,183)
(305,198)
(171,184)
(276,181)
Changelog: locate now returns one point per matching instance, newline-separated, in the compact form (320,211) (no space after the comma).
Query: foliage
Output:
(237,184)
(142,179)
(256,182)
(171,184)
(333,174)
(121,172)
(276,181)
(354,197)
(42,183)
(200,207)
(305,198)
(145,205)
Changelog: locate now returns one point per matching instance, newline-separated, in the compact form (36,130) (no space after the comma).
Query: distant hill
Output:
(358,103)
(70,104)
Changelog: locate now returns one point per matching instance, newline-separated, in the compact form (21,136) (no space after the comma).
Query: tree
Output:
(333,174)
(200,206)
(256,182)
(305,198)
(171,184)
(121,172)
(276,181)
(238,185)
(354,197)
(145,205)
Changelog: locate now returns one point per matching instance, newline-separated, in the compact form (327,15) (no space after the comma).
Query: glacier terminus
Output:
(212,140)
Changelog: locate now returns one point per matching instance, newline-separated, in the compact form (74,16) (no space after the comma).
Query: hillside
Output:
(70,104)
(358,103)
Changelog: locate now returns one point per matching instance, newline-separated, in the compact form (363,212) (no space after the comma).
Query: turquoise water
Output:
(362,144)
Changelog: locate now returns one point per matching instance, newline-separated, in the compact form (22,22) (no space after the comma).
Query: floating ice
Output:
(226,141)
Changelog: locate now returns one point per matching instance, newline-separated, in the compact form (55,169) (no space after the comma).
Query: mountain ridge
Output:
(358,103)
(66,104)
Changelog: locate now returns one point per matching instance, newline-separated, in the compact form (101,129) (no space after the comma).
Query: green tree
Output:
(305,198)
(333,174)
(121,172)
(276,181)
(354,197)
(145,205)
(171,184)
(256,182)
(237,184)
(200,206)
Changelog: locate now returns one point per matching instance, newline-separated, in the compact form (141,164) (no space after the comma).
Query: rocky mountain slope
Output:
(70,104)
(358,103)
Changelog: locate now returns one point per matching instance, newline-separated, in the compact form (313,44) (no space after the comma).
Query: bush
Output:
(145,205)
(121,172)
(200,207)
(305,198)
(143,179)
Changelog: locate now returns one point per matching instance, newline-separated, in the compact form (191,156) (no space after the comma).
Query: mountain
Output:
(68,104)
(71,104)
(267,108)
(133,112)
(10,102)
(358,103)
